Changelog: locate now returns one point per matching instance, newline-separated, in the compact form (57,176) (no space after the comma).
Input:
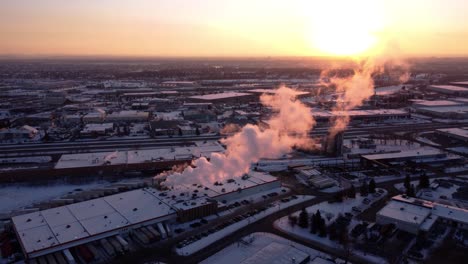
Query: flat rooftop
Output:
(416,153)
(218,96)
(274,91)
(405,212)
(450,88)
(455,131)
(136,156)
(52,227)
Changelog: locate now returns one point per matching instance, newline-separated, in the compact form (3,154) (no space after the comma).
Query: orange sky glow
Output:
(233,28)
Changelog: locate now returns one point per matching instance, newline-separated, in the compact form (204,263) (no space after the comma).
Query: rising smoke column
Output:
(288,127)
(359,87)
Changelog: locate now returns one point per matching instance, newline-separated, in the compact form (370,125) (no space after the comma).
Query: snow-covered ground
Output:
(238,252)
(211,238)
(330,211)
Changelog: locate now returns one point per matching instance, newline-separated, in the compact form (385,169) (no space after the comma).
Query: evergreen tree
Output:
(323,228)
(303,219)
(407,181)
(292,220)
(410,191)
(372,186)
(424,181)
(332,232)
(313,224)
(339,196)
(364,189)
(352,192)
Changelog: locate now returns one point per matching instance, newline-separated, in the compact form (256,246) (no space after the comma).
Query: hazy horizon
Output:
(223,28)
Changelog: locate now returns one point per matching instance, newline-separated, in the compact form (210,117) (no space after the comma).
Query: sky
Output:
(185,28)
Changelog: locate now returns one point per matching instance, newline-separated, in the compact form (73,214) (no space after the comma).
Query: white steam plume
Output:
(288,127)
(359,87)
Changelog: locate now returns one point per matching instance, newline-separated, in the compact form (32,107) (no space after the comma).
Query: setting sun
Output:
(346,28)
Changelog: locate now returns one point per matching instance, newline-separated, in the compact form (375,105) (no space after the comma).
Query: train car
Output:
(33,261)
(69,257)
(107,247)
(123,242)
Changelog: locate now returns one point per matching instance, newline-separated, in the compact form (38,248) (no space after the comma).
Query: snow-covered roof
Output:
(405,212)
(274,91)
(413,153)
(135,156)
(52,227)
(450,88)
(217,96)
(455,131)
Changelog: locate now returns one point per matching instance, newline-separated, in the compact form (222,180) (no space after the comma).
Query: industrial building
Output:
(360,115)
(60,228)
(222,97)
(449,89)
(424,155)
(456,133)
(415,215)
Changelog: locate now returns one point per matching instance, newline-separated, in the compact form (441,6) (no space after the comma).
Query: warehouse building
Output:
(360,115)
(60,228)
(416,215)
(449,89)
(456,133)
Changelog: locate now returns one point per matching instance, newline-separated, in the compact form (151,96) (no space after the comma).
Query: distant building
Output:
(5,117)
(449,89)
(226,97)
(55,98)
(415,215)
